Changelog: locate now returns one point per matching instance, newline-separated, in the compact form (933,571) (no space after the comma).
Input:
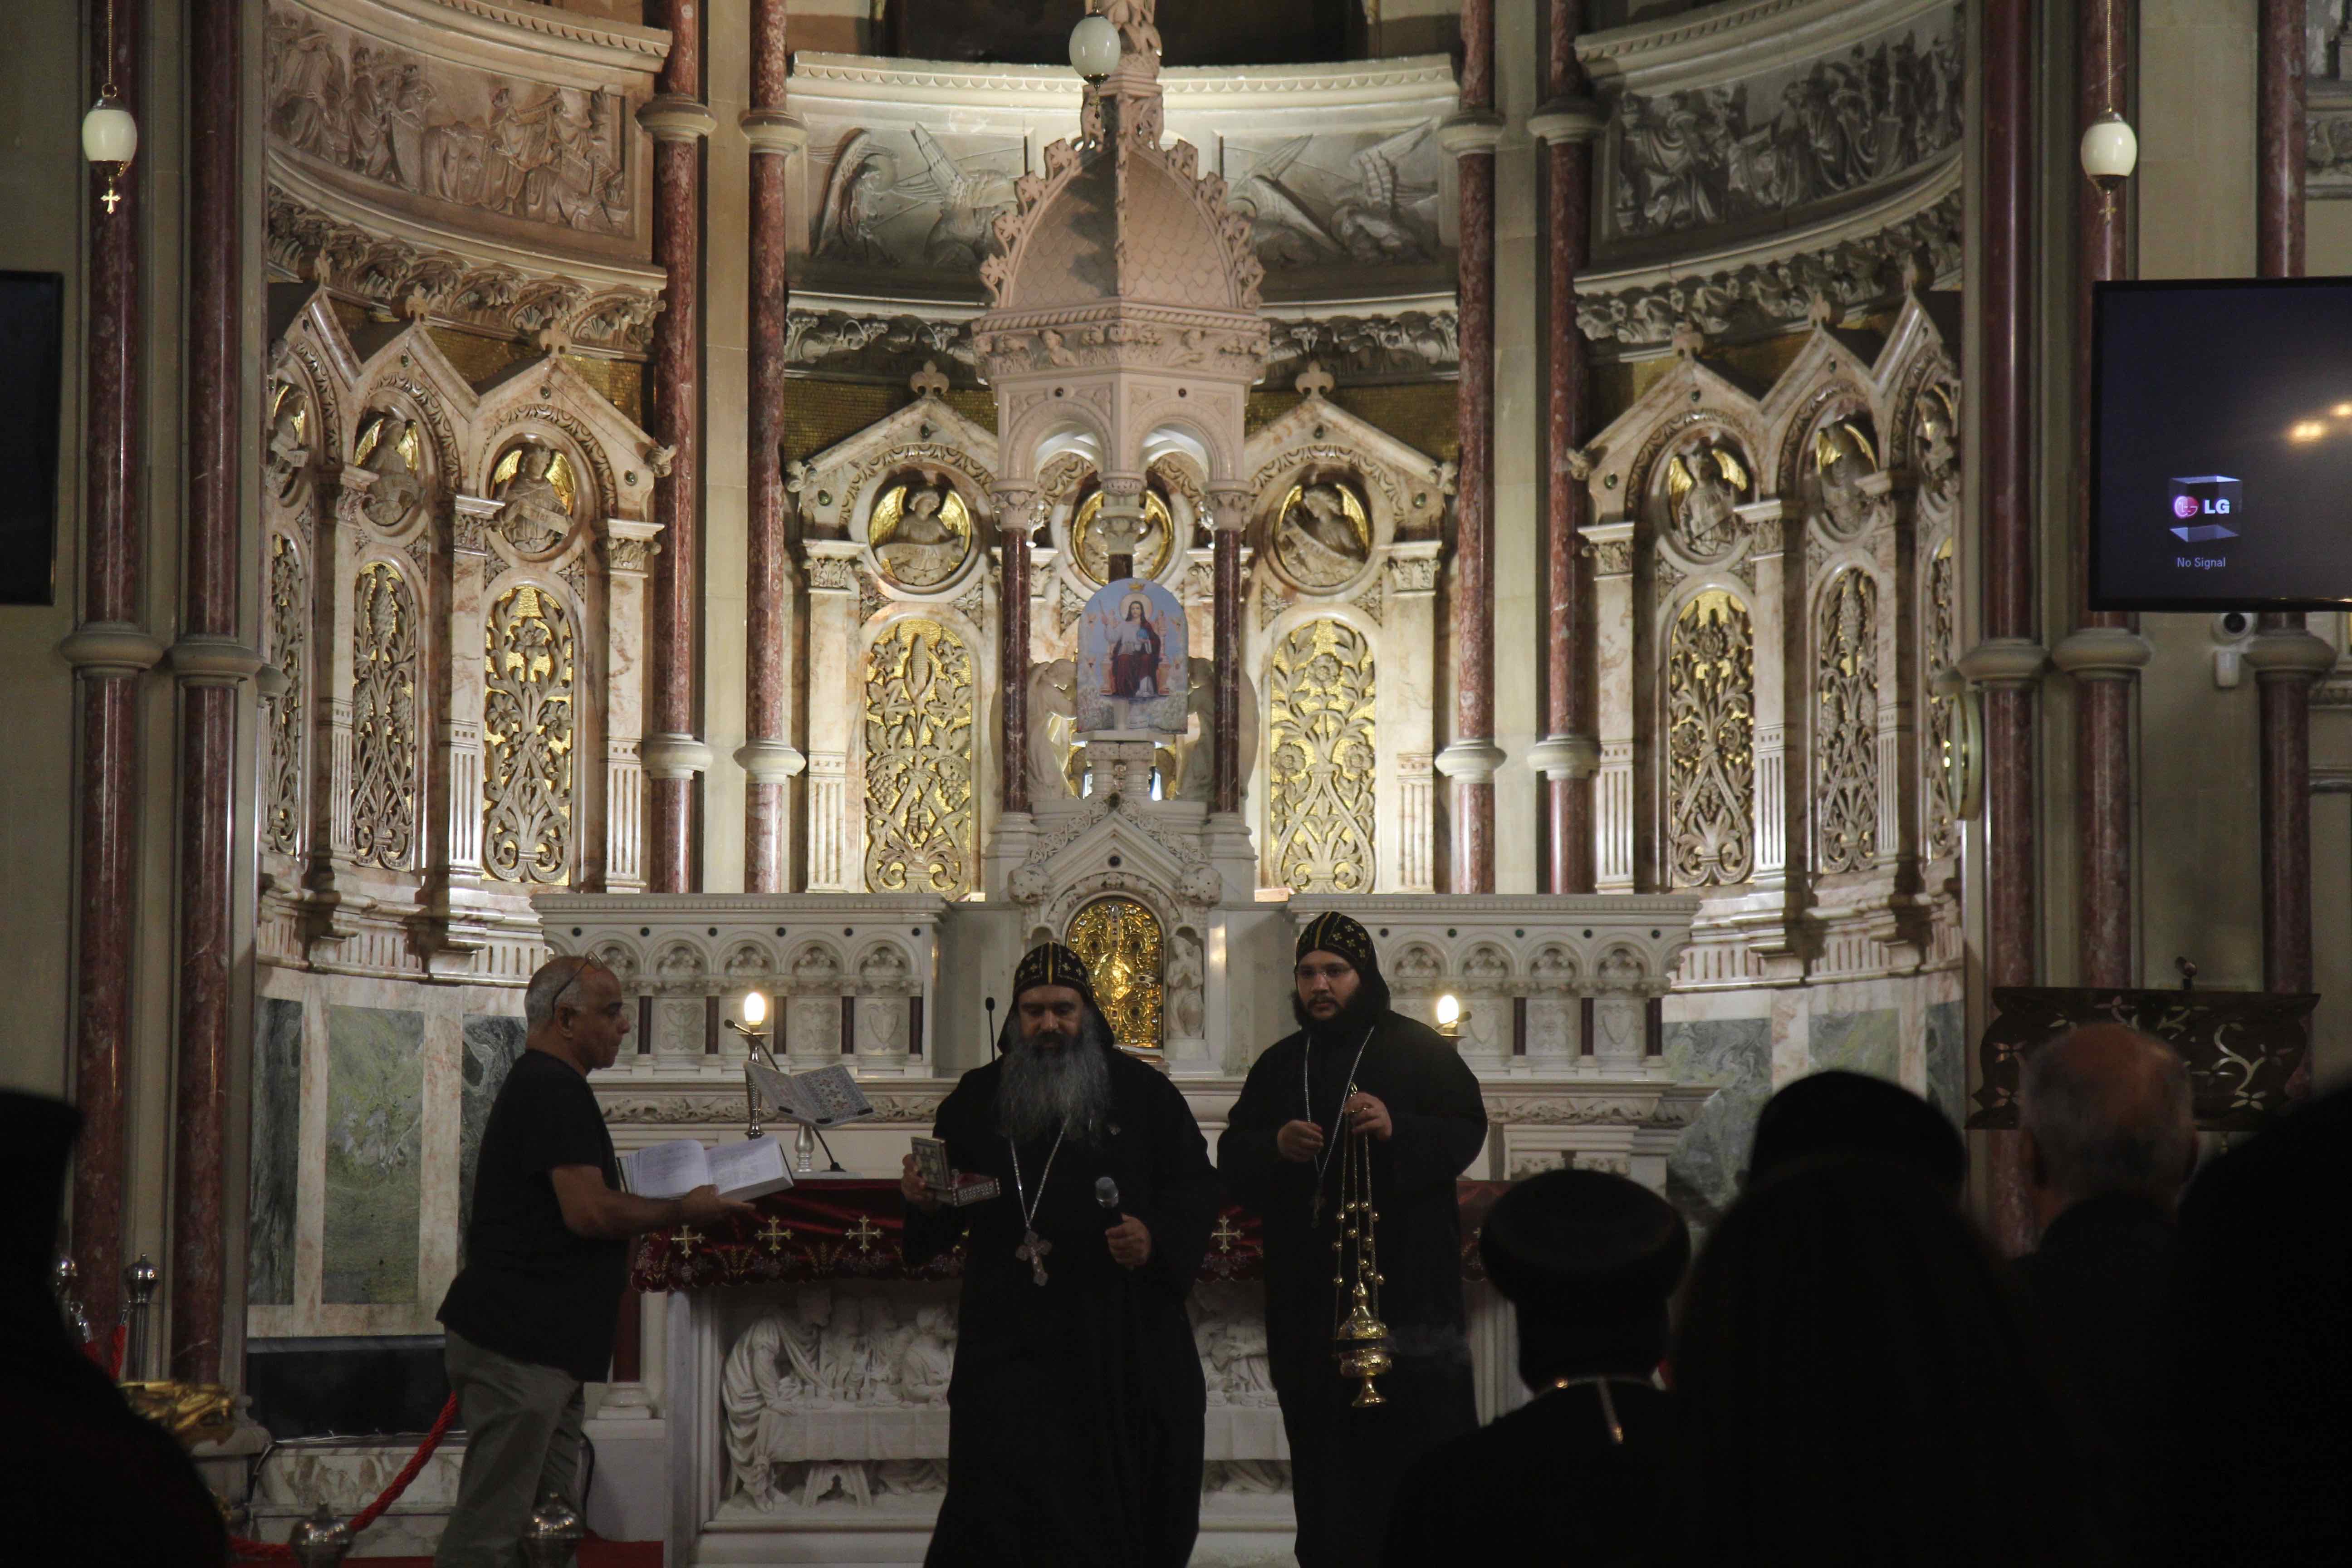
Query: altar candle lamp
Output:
(755,1008)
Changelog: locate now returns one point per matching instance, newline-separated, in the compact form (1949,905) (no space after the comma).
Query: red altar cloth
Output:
(850,1230)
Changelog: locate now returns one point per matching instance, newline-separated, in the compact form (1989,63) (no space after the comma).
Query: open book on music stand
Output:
(827,1096)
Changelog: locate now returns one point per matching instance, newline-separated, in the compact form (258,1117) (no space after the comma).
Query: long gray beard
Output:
(1042,1092)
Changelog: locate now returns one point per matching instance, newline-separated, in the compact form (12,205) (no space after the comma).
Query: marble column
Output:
(768,755)
(1470,761)
(1014,522)
(2007,664)
(1569,753)
(673,754)
(108,653)
(2286,657)
(211,667)
(2105,652)
(1230,511)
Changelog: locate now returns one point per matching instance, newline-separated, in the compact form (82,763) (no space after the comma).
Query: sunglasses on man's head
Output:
(610,1010)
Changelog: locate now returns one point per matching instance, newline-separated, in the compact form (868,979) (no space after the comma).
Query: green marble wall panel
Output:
(491,1045)
(1948,1059)
(375,1105)
(1703,1172)
(1858,1042)
(275,1167)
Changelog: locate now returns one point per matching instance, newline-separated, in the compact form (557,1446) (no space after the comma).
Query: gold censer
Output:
(1360,1340)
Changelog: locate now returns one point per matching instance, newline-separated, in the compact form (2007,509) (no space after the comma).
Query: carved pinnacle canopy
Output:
(1116,219)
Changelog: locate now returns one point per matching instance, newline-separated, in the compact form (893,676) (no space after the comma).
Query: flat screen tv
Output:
(2221,445)
(32,307)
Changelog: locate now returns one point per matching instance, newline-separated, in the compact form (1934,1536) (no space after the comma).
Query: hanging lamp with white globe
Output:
(2110,151)
(110,132)
(1094,47)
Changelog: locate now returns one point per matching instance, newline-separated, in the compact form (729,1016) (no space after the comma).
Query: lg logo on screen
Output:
(2208,496)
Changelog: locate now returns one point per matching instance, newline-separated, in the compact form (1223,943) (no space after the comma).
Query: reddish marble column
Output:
(1469,762)
(211,667)
(108,651)
(1014,522)
(2105,652)
(2008,662)
(769,757)
(2286,657)
(677,122)
(1570,753)
(1231,514)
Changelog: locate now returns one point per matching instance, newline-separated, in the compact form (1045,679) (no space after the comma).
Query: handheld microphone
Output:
(990,1003)
(1106,1193)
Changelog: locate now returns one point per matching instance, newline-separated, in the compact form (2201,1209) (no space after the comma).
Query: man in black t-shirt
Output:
(531,1317)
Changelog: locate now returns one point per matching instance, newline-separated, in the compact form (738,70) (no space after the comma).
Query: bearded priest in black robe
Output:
(1076,1405)
(1279,1155)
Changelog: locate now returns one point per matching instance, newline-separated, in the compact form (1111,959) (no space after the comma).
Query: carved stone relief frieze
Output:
(1788,138)
(1368,199)
(391,273)
(904,197)
(439,133)
(893,347)
(1407,345)
(1853,274)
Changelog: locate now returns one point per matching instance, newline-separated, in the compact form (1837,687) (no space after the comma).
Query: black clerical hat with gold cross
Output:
(1051,963)
(1332,931)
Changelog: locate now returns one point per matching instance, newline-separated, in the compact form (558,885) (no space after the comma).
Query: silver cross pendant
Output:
(1032,1251)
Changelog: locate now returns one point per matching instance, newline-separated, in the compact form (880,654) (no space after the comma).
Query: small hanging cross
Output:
(1032,1251)
(111,200)
(864,1232)
(775,1234)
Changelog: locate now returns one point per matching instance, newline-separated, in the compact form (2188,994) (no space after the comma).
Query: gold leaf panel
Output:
(529,708)
(1711,742)
(1122,941)
(920,816)
(1322,759)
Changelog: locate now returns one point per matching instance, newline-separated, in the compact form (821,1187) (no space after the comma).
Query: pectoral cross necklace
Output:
(1034,1247)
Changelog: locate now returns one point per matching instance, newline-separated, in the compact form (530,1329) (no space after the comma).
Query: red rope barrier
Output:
(106,1354)
(251,1549)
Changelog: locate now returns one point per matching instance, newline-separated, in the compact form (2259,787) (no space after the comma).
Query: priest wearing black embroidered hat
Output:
(1076,1406)
(1354,1061)
(1589,1261)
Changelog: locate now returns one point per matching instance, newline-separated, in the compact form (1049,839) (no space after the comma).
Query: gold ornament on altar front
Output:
(1711,742)
(920,816)
(538,496)
(528,713)
(1151,550)
(1322,760)
(192,1413)
(921,532)
(1122,942)
(1321,537)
